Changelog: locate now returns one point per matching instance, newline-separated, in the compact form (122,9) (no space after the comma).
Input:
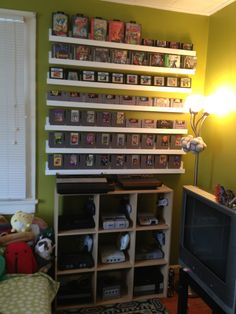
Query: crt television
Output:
(208,245)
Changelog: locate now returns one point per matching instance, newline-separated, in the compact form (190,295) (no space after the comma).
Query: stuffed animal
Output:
(225,197)
(38,225)
(5,226)
(44,253)
(193,144)
(21,221)
(20,258)
(3,220)
(44,248)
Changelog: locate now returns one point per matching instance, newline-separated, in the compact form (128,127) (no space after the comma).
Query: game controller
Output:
(126,206)
(90,206)
(123,241)
(162,202)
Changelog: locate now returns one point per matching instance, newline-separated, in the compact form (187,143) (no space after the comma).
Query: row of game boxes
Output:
(60,116)
(106,161)
(114,140)
(115,99)
(121,56)
(118,78)
(98,28)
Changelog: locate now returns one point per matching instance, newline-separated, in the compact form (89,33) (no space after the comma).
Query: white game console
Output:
(110,255)
(115,222)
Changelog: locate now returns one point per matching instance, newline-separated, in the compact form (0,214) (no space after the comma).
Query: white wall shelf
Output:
(108,44)
(120,67)
(112,171)
(86,105)
(50,127)
(128,87)
(63,150)
(113,67)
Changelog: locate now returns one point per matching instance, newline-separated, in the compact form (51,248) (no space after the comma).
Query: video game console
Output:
(75,290)
(146,219)
(115,222)
(75,260)
(148,280)
(68,222)
(148,253)
(111,255)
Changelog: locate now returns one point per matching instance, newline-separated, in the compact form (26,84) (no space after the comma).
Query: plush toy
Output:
(3,220)
(5,226)
(6,239)
(225,197)
(38,225)
(193,144)
(21,221)
(44,253)
(40,222)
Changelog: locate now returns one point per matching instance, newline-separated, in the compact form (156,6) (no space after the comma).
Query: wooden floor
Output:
(195,305)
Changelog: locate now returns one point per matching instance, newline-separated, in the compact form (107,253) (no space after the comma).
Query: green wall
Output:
(156,24)
(217,162)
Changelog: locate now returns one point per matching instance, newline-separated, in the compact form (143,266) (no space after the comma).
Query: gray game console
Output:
(110,255)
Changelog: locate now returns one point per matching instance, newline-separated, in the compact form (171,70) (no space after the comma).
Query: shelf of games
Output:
(103,146)
(86,105)
(115,45)
(128,87)
(120,67)
(99,259)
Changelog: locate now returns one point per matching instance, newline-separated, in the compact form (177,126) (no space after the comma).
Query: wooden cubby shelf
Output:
(125,272)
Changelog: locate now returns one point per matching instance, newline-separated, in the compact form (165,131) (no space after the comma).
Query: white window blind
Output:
(17,111)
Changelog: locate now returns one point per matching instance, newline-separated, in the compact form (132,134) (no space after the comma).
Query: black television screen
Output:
(206,235)
(208,245)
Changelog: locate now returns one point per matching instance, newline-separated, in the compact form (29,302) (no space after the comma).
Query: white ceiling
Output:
(201,7)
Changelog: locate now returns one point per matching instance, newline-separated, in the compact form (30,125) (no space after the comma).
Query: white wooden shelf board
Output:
(118,86)
(50,127)
(63,150)
(108,44)
(60,103)
(120,67)
(112,171)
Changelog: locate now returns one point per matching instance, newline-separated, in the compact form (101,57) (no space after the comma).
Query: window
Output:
(17,111)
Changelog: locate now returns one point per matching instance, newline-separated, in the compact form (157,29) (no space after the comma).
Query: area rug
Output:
(151,306)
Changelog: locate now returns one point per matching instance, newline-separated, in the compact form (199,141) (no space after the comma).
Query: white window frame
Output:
(28,204)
